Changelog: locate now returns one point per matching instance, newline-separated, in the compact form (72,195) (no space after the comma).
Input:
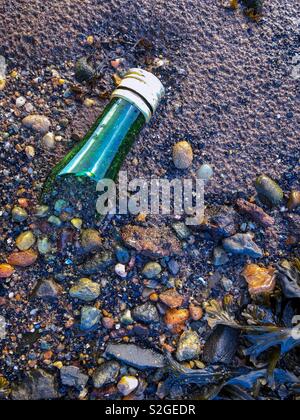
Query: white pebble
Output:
(127,385)
(48,141)
(120,270)
(21,101)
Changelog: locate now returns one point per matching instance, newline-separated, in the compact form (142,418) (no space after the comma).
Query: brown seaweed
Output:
(261,337)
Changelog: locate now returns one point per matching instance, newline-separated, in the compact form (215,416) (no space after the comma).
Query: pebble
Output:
(90,240)
(37,385)
(196,312)
(89,102)
(108,323)
(135,356)
(151,242)
(85,290)
(227,284)
(123,255)
(25,241)
(182,231)
(30,152)
(41,211)
(2,83)
(48,141)
(6,271)
(21,101)
(90,40)
(221,222)
(183,155)
(77,223)
(38,123)
(126,318)
(268,190)
(44,246)
(90,317)
(171,298)
(3,67)
(242,244)
(72,376)
(127,385)
(220,257)
(261,280)
(173,267)
(19,214)
(120,270)
(255,212)
(55,221)
(294,200)
(107,374)
(151,270)
(83,70)
(176,316)
(3,331)
(189,346)
(23,259)
(146,313)
(29,107)
(60,206)
(47,289)
(205,172)
(97,264)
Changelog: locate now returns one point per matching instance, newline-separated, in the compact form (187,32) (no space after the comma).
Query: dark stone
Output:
(72,376)
(221,222)
(140,330)
(97,264)
(47,289)
(146,313)
(221,346)
(84,70)
(37,385)
(107,374)
(122,254)
(173,267)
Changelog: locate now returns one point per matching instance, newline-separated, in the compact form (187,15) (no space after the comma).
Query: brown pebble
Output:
(261,280)
(38,123)
(176,316)
(255,212)
(23,258)
(108,323)
(183,155)
(294,200)
(196,312)
(171,298)
(151,242)
(6,271)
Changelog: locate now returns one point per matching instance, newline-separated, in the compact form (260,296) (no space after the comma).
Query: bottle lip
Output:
(141,88)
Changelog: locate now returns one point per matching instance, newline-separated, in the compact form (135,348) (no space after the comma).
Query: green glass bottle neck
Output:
(108,142)
(102,151)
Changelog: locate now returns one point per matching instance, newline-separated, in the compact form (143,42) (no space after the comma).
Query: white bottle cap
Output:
(142,89)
